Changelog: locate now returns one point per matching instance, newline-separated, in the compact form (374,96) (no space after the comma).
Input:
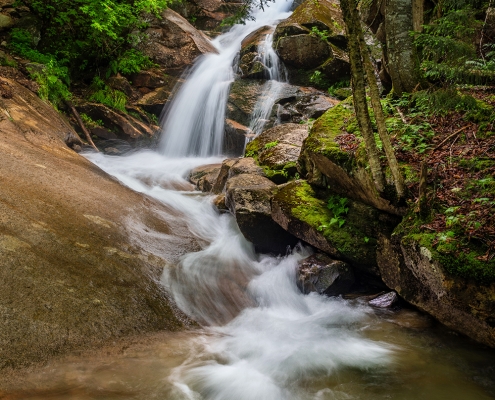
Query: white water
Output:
(264,340)
(194,123)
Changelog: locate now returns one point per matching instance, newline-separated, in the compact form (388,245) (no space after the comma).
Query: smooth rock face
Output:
(248,198)
(235,138)
(386,300)
(467,307)
(319,273)
(78,267)
(173,43)
(245,165)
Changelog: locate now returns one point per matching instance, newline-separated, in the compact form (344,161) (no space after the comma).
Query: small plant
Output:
(90,122)
(106,95)
(317,78)
(323,35)
(270,145)
(132,61)
(339,208)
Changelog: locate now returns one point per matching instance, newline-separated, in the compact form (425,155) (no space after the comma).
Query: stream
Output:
(261,338)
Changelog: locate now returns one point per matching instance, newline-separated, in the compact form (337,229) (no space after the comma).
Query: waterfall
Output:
(262,338)
(194,122)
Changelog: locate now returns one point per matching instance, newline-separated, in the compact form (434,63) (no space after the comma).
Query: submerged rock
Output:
(386,300)
(248,198)
(319,273)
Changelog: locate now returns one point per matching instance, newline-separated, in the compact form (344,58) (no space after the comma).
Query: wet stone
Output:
(320,273)
(386,300)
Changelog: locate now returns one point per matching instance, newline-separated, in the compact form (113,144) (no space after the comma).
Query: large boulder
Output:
(312,43)
(248,197)
(350,236)
(333,155)
(207,15)
(277,150)
(173,43)
(419,275)
(205,176)
(81,255)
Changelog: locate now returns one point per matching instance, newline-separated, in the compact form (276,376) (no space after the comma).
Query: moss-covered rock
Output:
(304,212)
(412,266)
(323,15)
(324,163)
(277,149)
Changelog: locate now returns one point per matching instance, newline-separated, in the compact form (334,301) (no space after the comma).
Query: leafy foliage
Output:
(106,95)
(339,208)
(448,46)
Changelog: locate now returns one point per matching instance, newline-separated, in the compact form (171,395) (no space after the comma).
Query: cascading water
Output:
(194,122)
(276,76)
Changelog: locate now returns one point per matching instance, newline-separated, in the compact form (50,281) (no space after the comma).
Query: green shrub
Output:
(106,95)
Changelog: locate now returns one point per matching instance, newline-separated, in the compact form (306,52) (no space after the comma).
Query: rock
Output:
(78,267)
(303,51)
(323,163)
(6,22)
(207,14)
(250,59)
(219,203)
(386,300)
(294,103)
(417,275)
(323,15)
(323,275)
(125,126)
(173,43)
(235,138)
(205,176)
(304,213)
(152,79)
(278,150)
(245,165)
(155,100)
(223,175)
(122,84)
(248,199)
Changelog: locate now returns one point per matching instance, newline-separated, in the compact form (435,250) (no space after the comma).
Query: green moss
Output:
(458,257)
(321,138)
(308,206)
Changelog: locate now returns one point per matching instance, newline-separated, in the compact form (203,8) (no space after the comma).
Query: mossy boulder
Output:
(424,277)
(277,150)
(304,212)
(248,197)
(324,163)
(323,15)
(303,51)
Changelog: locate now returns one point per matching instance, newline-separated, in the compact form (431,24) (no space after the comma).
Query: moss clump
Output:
(459,257)
(321,138)
(350,240)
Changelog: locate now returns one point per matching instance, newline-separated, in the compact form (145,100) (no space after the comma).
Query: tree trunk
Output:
(403,63)
(380,118)
(351,20)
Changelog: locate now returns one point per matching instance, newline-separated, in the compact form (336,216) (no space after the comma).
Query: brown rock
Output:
(248,199)
(205,176)
(223,175)
(78,268)
(303,51)
(173,43)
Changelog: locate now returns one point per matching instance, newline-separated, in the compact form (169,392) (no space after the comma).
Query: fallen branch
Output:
(81,124)
(401,114)
(449,137)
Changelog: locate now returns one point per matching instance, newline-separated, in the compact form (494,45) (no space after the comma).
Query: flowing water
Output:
(261,338)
